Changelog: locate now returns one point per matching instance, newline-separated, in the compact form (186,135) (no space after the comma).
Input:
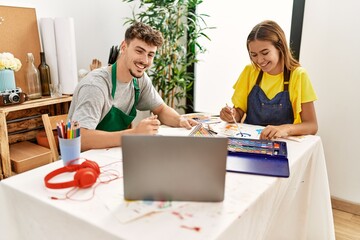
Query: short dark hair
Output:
(145,33)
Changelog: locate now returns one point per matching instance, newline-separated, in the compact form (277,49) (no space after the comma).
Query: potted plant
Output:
(172,71)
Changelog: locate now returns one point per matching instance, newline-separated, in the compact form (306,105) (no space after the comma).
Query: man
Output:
(105,101)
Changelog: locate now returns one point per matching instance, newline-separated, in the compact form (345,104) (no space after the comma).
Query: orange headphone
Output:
(86,175)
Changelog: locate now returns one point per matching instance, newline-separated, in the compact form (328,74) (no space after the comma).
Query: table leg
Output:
(5,166)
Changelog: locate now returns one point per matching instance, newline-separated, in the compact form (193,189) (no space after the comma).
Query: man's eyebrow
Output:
(143,49)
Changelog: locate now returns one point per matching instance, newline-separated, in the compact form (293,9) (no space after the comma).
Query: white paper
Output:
(174,131)
(231,130)
(49,47)
(66,52)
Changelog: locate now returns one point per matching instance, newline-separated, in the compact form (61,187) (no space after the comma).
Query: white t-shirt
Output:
(92,98)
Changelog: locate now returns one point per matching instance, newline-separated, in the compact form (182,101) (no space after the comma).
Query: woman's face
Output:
(266,56)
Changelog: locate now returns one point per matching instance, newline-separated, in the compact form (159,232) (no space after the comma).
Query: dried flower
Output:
(8,61)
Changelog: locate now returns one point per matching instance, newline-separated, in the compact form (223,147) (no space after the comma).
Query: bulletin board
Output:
(19,35)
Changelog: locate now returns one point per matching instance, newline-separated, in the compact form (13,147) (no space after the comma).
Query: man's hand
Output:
(96,63)
(187,123)
(148,125)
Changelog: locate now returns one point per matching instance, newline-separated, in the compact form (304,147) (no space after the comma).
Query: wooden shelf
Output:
(21,122)
(44,101)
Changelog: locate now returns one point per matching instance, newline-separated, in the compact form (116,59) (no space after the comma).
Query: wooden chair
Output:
(50,125)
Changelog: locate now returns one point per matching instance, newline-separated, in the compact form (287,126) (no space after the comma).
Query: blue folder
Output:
(260,157)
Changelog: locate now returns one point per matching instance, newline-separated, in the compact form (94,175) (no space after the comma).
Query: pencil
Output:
(243,118)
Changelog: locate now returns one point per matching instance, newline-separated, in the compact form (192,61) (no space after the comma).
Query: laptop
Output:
(174,168)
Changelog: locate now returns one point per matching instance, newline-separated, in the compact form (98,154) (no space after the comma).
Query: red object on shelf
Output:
(42,140)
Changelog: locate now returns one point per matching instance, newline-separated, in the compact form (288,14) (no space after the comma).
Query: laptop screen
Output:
(174,168)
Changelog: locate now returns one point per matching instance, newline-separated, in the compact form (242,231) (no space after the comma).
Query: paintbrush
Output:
(237,125)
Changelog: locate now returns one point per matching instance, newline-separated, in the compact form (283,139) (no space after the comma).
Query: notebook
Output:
(261,157)
(174,168)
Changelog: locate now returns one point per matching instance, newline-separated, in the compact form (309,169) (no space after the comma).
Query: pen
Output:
(211,130)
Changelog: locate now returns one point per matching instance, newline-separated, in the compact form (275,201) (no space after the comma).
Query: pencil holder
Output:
(70,150)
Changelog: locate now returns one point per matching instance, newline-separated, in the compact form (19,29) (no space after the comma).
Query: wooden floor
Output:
(347,225)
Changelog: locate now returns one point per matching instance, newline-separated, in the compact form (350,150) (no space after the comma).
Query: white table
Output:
(255,207)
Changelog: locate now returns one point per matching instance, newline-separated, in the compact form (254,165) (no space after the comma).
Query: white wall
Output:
(330,52)
(98,24)
(226,54)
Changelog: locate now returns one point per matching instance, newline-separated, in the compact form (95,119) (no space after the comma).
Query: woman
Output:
(274,91)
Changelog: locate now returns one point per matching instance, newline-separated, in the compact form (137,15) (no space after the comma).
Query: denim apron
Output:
(263,111)
(115,119)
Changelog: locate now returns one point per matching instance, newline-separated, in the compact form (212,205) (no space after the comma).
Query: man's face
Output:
(138,56)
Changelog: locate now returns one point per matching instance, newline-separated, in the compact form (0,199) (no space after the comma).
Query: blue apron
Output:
(263,111)
(115,119)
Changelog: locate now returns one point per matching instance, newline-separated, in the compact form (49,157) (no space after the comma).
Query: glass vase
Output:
(32,78)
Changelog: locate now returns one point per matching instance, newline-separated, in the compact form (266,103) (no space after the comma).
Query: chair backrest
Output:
(50,125)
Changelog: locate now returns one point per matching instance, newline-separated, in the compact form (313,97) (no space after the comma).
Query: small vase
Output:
(32,77)
(7,80)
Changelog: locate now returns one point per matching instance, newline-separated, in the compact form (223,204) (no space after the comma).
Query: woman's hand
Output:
(274,132)
(227,114)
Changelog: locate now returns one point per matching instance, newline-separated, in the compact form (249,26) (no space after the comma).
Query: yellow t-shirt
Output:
(300,88)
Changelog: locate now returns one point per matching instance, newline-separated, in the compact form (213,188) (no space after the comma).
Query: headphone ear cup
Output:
(91,164)
(85,177)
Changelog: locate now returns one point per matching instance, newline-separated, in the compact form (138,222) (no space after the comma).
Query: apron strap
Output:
(286,78)
(113,79)
(258,80)
(137,93)
(137,90)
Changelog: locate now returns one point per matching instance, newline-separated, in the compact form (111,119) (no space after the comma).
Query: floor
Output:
(347,225)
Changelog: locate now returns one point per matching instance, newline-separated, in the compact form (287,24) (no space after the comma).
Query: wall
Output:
(330,52)
(98,24)
(226,55)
